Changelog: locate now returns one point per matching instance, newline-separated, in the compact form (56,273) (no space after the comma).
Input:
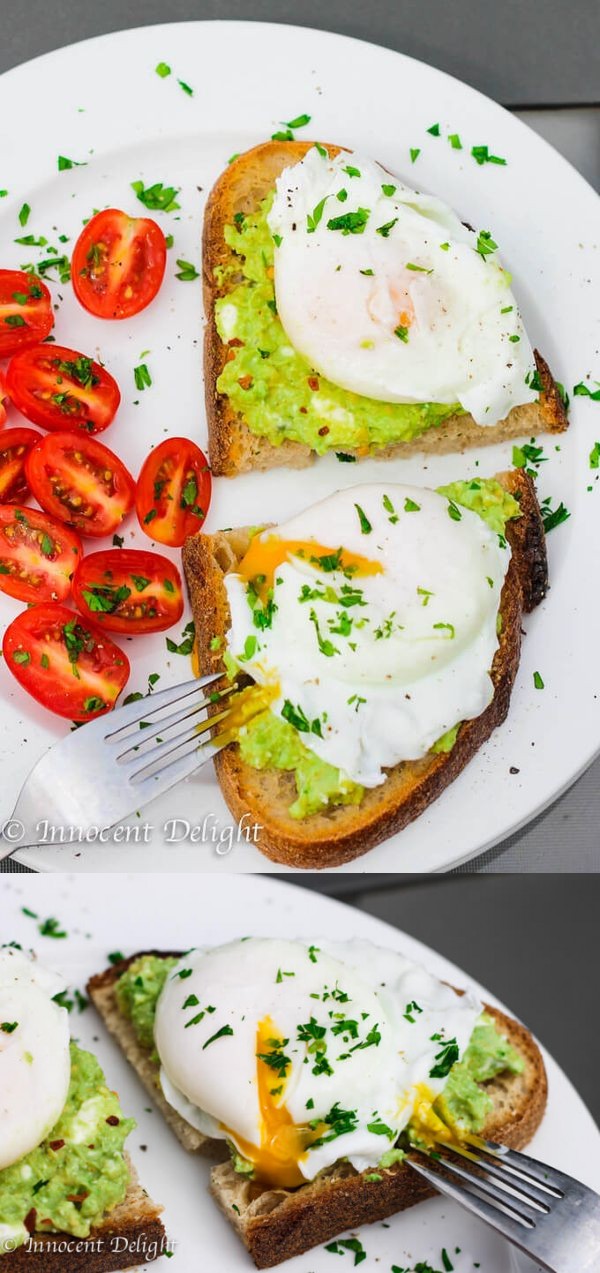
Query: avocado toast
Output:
(346,826)
(498,1089)
(266,407)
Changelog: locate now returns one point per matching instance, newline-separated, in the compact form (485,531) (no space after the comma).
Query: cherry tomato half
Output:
(173,491)
(14,447)
(64,662)
(38,556)
(59,388)
(118,264)
(128,591)
(26,315)
(78,480)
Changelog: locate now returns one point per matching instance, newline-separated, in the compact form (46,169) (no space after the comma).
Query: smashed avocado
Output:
(486,497)
(137,993)
(78,1173)
(268,742)
(277,392)
(463,1102)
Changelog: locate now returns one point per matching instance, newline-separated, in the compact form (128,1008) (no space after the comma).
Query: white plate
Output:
(104,104)
(136,913)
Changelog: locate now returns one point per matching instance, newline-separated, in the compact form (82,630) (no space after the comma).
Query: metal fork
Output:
(550,1216)
(112,766)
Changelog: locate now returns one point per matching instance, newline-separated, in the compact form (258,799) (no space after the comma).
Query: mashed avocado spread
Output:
(464,1103)
(78,1173)
(269,742)
(275,390)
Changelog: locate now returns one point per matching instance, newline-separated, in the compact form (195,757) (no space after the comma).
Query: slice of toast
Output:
(233,447)
(101,989)
(344,832)
(276,1224)
(131,1235)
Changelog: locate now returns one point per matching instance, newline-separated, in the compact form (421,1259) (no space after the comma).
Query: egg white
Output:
(406,310)
(214,1084)
(34,1056)
(418,656)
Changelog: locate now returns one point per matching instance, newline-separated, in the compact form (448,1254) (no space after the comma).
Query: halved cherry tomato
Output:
(59,388)
(38,556)
(81,482)
(129,591)
(14,446)
(173,491)
(64,662)
(118,264)
(3,401)
(26,315)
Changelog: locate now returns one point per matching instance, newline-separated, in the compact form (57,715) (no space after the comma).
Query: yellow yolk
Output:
(425,1122)
(244,706)
(282,1143)
(265,555)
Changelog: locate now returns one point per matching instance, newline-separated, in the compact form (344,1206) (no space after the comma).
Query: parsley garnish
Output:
(163,70)
(276,1058)
(159,198)
(186,272)
(64,163)
(434,130)
(365,525)
(583,391)
(445,1058)
(384,230)
(142,376)
(485,244)
(553,517)
(220,1034)
(350,222)
(414,153)
(313,218)
(537,681)
(402,334)
(481,155)
(411,507)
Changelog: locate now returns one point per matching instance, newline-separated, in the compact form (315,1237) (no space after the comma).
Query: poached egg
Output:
(35,1063)
(370,619)
(388,294)
(301,1055)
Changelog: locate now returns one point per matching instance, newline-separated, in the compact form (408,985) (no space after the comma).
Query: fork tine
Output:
(539,1173)
(115,723)
(167,722)
(149,760)
(187,764)
(516,1199)
(509,1223)
(507,1175)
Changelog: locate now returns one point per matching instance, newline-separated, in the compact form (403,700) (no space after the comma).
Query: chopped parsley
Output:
(418,269)
(481,155)
(348,1244)
(299,122)
(537,681)
(350,222)
(162,69)
(63,163)
(142,376)
(595,456)
(455,141)
(313,218)
(24,214)
(485,244)
(384,230)
(414,154)
(446,627)
(159,198)
(583,391)
(220,1034)
(411,507)
(401,333)
(296,717)
(434,130)
(275,1058)
(553,517)
(186,272)
(186,644)
(365,525)
(446,1057)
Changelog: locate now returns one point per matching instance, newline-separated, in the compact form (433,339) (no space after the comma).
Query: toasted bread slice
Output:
(131,1235)
(233,447)
(276,1224)
(344,832)
(101,989)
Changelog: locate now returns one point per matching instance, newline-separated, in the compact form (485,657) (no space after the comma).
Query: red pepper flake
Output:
(230,355)
(56,1144)
(78,1197)
(113,1121)
(235,341)
(324,431)
(245,382)
(30,1220)
(303,410)
(313,382)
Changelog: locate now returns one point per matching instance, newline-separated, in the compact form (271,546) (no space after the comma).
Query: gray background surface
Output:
(532,54)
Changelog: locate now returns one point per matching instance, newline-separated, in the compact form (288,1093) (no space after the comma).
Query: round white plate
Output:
(104,106)
(128,916)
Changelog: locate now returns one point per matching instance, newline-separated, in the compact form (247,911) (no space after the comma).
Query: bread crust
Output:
(345,832)
(233,448)
(136,1221)
(276,1224)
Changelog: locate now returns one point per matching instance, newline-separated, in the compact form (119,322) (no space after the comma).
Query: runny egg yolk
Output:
(244,706)
(264,556)
(282,1143)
